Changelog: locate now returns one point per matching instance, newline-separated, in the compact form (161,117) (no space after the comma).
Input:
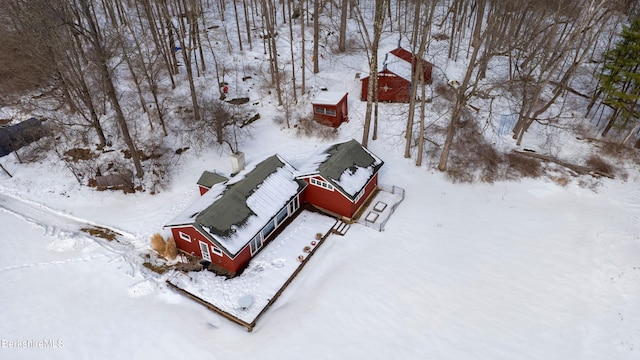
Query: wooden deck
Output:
(250,325)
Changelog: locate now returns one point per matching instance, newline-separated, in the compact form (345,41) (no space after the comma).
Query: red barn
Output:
(233,220)
(331,108)
(394,81)
(341,178)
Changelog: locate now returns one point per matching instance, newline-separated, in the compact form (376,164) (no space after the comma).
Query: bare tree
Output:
(96,41)
(555,57)
(461,92)
(378,22)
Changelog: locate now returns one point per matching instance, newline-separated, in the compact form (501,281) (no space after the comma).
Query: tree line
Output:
(85,50)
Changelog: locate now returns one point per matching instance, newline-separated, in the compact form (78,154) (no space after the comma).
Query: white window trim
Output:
(216,251)
(184,236)
(254,243)
(324,111)
(322,184)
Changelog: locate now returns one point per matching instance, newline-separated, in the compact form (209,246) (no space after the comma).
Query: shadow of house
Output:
(14,137)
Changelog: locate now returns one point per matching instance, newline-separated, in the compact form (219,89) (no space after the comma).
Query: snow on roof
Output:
(329,97)
(398,66)
(348,166)
(232,213)
(352,181)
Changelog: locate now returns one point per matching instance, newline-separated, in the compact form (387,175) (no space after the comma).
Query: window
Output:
(321,184)
(216,251)
(255,244)
(294,205)
(184,236)
(282,215)
(268,229)
(324,111)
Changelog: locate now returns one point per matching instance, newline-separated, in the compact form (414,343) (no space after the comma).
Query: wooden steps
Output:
(340,227)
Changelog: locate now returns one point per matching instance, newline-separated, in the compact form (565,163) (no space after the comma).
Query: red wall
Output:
(193,247)
(341,109)
(335,201)
(398,89)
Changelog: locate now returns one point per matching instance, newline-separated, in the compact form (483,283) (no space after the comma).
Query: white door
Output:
(204,249)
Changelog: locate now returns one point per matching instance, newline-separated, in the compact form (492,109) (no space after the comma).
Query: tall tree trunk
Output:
(342,39)
(461,92)
(110,88)
(293,58)
(303,10)
(316,35)
(373,67)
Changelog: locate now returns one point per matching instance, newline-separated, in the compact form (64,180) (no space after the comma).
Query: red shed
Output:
(331,108)
(341,178)
(232,221)
(394,81)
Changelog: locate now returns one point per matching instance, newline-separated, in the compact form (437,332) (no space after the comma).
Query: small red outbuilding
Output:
(394,81)
(331,108)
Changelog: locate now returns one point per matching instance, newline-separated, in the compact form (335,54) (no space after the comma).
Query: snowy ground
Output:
(524,269)
(511,270)
(247,295)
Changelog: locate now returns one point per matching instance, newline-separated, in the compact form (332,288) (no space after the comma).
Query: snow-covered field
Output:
(526,269)
(510,270)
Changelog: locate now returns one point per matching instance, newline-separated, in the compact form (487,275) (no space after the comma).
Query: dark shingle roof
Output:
(345,156)
(231,209)
(224,214)
(208,179)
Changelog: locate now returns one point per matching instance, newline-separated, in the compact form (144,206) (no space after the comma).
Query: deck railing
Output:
(380,225)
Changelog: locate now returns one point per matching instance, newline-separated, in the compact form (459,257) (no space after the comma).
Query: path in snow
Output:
(52,220)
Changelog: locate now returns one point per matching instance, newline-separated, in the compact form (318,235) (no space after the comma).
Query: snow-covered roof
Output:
(398,61)
(347,166)
(230,214)
(329,97)
(398,66)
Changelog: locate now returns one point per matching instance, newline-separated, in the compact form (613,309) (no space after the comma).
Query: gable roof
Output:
(208,179)
(398,61)
(403,54)
(347,166)
(231,213)
(329,97)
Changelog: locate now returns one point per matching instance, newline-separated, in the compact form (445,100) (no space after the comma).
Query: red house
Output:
(394,81)
(331,108)
(341,178)
(233,219)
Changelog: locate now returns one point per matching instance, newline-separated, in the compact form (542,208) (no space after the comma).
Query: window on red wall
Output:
(184,236)
(324,111)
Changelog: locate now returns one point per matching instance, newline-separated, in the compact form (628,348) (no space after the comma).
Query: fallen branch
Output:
(582,170)
(569,89)
(5,170)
